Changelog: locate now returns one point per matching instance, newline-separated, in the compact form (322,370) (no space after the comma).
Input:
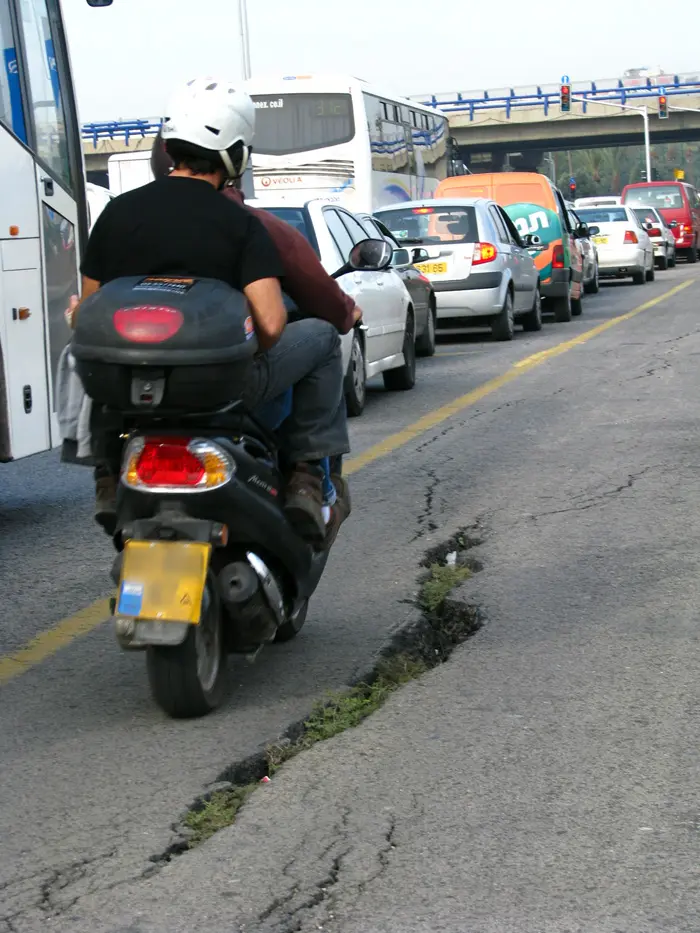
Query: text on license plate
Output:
(432,268)
(600,240)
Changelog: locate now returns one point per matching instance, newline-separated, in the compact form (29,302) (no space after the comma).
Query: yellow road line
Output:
(434,418)
(51,641)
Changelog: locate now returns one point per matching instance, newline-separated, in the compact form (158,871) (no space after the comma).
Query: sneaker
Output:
(304,503)
(339,511)
(106,503)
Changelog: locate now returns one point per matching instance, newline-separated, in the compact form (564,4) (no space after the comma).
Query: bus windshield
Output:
(288,123)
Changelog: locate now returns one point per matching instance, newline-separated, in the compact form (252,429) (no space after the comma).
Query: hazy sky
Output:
(127,57)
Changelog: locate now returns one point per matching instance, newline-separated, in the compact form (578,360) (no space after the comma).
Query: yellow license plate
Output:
(600,240)
(163,580)
(432,268)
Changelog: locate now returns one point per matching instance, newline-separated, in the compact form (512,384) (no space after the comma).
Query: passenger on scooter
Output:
(177,226)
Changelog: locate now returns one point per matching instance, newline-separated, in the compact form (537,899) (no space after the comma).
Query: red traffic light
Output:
(663,106)
(565,98)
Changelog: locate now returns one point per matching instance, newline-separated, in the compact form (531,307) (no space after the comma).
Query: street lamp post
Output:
(643,113)
(245,38)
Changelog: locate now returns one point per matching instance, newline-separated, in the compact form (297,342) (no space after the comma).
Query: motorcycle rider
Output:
(307,284)
(176,225)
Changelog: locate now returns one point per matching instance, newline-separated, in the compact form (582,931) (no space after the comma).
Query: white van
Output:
(128,170)
(97,200)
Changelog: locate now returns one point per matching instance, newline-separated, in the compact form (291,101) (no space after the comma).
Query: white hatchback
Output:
(624,247)
(386,340)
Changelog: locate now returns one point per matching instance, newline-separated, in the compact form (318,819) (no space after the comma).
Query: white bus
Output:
(43,218)
(338,138)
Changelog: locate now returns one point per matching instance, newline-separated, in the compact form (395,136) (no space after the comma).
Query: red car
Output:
(679,205)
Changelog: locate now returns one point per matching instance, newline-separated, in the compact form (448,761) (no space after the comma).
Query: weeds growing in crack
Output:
(444,625)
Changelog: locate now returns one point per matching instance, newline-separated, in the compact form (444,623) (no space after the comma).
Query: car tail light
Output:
(484,252)
(423,278)
(685,229)
(631,237)
(422,210)
(558,257)
(176,464)
(147,323)
(654,231)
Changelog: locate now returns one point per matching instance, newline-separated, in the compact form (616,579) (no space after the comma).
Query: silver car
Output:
(660,234)
(479,266)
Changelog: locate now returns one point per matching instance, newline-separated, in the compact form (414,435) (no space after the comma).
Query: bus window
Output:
(47,114)
(11,113)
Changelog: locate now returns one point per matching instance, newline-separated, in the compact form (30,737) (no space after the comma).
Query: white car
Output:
(624,247)
(386,340)
(660,234)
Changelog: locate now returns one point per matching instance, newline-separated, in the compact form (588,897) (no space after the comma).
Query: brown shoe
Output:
(106,503)
(339,511)
(304,503)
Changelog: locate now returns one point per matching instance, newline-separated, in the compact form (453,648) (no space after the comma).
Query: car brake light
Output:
(180,464)
(686,229)
(630,237)
(558,257)
(147,323)
(654,231)
(423,278)
(422,210)
(484,252)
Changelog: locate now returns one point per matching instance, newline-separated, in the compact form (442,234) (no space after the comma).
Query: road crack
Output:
(599,499)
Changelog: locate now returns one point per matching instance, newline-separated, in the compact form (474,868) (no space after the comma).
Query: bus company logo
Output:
(281,181)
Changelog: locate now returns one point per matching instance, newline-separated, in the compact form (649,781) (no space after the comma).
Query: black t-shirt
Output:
(180,226)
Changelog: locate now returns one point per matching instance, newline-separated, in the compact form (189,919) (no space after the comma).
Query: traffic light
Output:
(572,187)
(663,107)
(565,98)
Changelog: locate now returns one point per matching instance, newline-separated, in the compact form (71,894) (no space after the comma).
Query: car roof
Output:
(435,202)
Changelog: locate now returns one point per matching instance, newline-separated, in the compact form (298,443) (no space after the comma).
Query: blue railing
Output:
(621,91)
(121,128)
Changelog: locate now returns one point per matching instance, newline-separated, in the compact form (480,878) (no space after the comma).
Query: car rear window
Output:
(603,215)
(665,197)
(431,224)
(294,217)
(646,215)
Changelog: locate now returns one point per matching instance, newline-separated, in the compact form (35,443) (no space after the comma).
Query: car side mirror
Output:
(581,232)
(420,255)
(593,231)
(367,256)
(673,223)
(401,257)
(647,225)
(99,2)
(531,241)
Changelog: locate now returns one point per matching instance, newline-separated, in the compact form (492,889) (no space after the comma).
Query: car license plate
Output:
(163,580)
(432,268)
(600,240)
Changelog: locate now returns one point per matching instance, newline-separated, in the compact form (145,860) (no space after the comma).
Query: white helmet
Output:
(214,115)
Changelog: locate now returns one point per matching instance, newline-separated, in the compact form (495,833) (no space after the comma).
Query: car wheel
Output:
(561,308)
(425,345)
(639,278)
(503,325)
(404,378)
(663,263)
(532,321)
(692,254)
(356,378)
(593,287)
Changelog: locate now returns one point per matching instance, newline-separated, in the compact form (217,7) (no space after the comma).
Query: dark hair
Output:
(199,161)
(161,163)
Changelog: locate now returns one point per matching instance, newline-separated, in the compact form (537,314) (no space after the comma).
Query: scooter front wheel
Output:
(293,626)
(189,680)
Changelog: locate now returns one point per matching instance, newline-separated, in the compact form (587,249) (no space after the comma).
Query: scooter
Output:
(207,563)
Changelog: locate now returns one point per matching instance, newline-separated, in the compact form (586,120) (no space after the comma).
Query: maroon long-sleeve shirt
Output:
(305,280)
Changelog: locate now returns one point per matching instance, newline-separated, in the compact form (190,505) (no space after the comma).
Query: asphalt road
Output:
(511,781)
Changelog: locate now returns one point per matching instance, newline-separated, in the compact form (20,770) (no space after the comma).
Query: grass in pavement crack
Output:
(443,627)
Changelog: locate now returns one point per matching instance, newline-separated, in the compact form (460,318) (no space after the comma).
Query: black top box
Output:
(190,341)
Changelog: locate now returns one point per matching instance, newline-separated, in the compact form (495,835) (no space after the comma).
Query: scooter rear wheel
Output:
(189,681)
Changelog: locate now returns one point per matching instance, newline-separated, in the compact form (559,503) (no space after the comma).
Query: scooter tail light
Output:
(176,464)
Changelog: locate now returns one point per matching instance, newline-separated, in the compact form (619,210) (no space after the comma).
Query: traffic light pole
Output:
(643,113)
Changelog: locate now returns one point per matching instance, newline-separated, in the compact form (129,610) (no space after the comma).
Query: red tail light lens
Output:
(176,463)
(422,210)
(654,231)
(631,237)
(558,257)
(147,323)
(484,252)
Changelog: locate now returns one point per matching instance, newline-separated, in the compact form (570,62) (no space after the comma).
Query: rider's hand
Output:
(70,311)
(356,315)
